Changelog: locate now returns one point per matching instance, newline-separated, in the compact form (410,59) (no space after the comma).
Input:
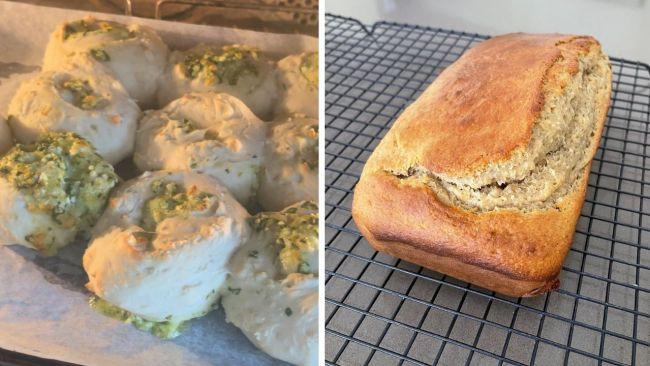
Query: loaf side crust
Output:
(522,252)
(455,267)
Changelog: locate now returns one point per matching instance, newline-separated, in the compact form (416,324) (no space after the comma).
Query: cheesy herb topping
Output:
(83,27)
(171,200)
(81,94)
(233,63)
(63,176)
(309,69)
(295,231)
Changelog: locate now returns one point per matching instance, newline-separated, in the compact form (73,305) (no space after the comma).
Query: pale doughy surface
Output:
(18,222)
(137,60)
(259,91)
(41,105)
(260,310)
(63,326)
(177,276)
(277,312)
(212,133)
(298,94)
(290,173)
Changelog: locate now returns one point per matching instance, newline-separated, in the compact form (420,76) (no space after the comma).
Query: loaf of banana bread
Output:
(483,177)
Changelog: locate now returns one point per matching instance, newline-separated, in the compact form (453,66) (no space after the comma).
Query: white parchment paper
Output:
(43,305)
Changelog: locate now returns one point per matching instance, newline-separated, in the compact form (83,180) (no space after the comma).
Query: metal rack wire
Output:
(385,311)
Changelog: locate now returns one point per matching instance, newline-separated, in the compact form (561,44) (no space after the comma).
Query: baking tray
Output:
(384,311)
(24,58)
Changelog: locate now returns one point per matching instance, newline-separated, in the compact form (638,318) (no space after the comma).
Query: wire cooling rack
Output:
(385,311)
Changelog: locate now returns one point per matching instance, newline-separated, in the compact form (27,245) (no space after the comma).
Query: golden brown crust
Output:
(513,252)
(498,85)
(467,272)
(508,242)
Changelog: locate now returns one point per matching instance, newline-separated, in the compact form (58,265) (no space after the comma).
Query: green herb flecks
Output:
(164,329)
(296,235)
(99,54)
(211,135)
(44,242)
(309,69)
(61,175)
(304,267)
(186,125)
(309,150)
(288,312)
(171,200)
(83,27)
(233,63)
(82,95)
